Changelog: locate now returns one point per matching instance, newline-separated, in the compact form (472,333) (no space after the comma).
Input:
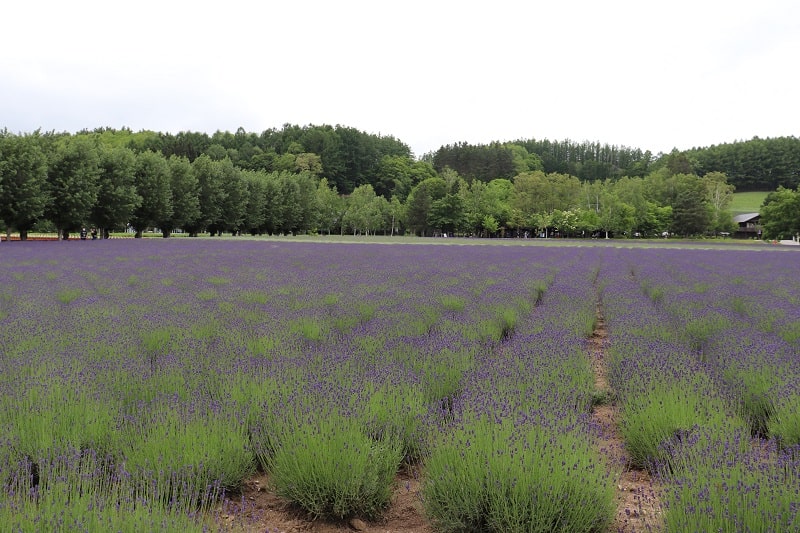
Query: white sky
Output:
(650,75)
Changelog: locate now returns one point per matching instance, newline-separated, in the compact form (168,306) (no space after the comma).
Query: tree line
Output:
(346,156)
(337,179)
(754,165)
(588,161)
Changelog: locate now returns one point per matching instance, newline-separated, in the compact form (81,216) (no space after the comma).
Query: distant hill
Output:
(754,165)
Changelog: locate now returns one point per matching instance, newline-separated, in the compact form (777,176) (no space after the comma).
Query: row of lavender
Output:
(704,358)
(520,454)
(141,381)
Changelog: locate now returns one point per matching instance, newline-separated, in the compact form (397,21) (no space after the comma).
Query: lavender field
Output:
(142,381)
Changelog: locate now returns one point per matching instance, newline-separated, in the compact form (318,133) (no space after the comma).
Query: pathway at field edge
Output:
(638,503)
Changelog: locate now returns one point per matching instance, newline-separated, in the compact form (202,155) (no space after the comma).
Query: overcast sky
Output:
(652,75)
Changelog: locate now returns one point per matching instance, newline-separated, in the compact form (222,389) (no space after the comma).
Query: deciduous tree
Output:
(117,197)
(23,182)
(185,196)
(152,179)
(72,181)
(780,214)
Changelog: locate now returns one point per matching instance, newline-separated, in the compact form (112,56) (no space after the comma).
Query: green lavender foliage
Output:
(332,468)
(666,412)
(491,476)
(784,424)
(722,483)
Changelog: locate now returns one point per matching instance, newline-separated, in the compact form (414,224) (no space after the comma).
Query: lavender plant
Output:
(721,483)
(784,424)
(188,450)
(332,468)
(667,413)
(80,490)
(492,476)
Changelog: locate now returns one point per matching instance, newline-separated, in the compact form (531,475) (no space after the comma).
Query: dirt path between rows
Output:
(638,504)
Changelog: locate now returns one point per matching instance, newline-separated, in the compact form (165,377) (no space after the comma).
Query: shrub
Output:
(725,484)
(753,389)
(77,490)
(494,477)
(667,413)
(397,410)
(58,417)
(182,454)
(331,468)
(784,425)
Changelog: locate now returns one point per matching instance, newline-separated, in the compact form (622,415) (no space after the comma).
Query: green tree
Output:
(364,212)
(395,214)
(232,207)
(517,221)
(499,196)
(616,216)
(690,211)
(418,205)
(395,173)
(152,179)
(478,162)
(542,222)
(658,219)
(117,197)
(780,214)
(255,216)
(565,222)
(308,162)
(216,152)
(285,162)
(23,182)
(185,196)
(632,192)
(478,203)
(447,213)
(72,182)
(212,194)
(398,174)
(537,192)
(304,186)
(720,195)
(524,161)
(274,204)
(489,225)
(330,206)
(587,221)
(679,162)
(291,202)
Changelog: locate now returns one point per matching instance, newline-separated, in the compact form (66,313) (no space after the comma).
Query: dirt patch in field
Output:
(638,503)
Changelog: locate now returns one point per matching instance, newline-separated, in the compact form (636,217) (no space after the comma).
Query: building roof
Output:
(745,217)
